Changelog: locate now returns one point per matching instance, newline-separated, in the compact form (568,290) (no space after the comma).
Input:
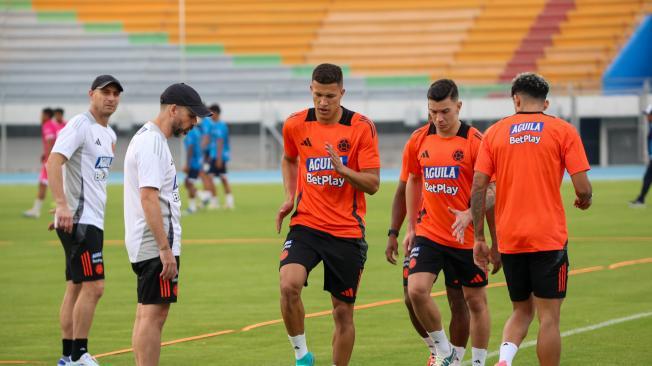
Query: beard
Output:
(177,129)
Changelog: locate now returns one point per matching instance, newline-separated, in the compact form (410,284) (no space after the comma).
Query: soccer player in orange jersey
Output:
(440,162)
(528,153)
(459,323)
(330,161)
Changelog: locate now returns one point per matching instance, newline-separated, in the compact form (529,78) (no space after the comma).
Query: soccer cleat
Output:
(85,360)
(64,361)
(307,360)
(636,204)
(431,360)
(501,363)
(446,361)
(32,213)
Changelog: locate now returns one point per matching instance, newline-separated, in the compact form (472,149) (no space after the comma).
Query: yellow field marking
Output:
(630,263)
(181,340)
(359,307)
(586,270)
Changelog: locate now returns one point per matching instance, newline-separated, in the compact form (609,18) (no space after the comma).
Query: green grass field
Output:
(229,280)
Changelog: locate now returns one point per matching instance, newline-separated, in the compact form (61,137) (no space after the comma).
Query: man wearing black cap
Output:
(85,146)
(647,178)
(152,211)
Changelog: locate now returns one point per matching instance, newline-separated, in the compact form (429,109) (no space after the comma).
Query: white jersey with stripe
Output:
(149,163)
(88,146)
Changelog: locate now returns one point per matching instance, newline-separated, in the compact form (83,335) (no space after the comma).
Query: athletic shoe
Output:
(64,361)
(636,204)
(188,211)
(229,202)
(431,360)
(32,213)
(501,363)
(307,360)
(85,360)
(446,361)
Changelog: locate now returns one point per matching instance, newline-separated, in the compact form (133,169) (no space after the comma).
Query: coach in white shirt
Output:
(85,146)
(152,209)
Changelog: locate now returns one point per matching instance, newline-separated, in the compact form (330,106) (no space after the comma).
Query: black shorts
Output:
(193,174)
(213,169)
(343,259)
(429,256)
(83,252)
(449,276)
(151,288)
(543,273)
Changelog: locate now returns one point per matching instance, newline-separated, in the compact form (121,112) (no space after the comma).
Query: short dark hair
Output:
(58,110)
(48,112)
(530,84)
(215,108)
(442,89)
(327,74)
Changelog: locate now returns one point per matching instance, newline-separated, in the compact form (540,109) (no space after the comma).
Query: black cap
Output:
(103,81)
(184,95)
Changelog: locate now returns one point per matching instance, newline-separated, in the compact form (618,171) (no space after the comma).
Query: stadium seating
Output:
(588,40)
(238,48)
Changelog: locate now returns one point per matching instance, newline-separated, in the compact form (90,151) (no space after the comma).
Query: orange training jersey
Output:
(445,165)
(528,153)
(325,201)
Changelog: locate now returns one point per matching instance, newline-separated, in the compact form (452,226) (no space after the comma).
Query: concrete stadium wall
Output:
(409,109)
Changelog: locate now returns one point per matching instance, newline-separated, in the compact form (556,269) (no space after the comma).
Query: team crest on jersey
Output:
(344,145)
(458,155)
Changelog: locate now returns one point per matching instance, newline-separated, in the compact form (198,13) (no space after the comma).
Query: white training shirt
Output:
(149,163)
(88,146)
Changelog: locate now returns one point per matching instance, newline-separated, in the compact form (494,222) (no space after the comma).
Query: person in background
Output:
(49,130)
(193,166)
(647,177)
(222,153)
(58,116)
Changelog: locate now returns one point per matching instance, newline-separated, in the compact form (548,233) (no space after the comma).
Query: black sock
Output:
(67,347)
(79,347)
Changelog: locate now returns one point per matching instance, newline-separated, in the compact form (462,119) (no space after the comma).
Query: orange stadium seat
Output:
(482,41)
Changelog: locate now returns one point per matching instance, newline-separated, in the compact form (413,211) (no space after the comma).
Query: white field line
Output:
(571,332)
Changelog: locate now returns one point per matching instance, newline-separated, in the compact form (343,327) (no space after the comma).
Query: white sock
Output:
(214,202)
(192,204)
(459,353)
(229,200)
(299,344)
(431,345)
(441,342)
(479,356)
(37,205)
(507,352)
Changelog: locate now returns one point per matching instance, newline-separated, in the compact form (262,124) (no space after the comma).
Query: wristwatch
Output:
(392,232)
